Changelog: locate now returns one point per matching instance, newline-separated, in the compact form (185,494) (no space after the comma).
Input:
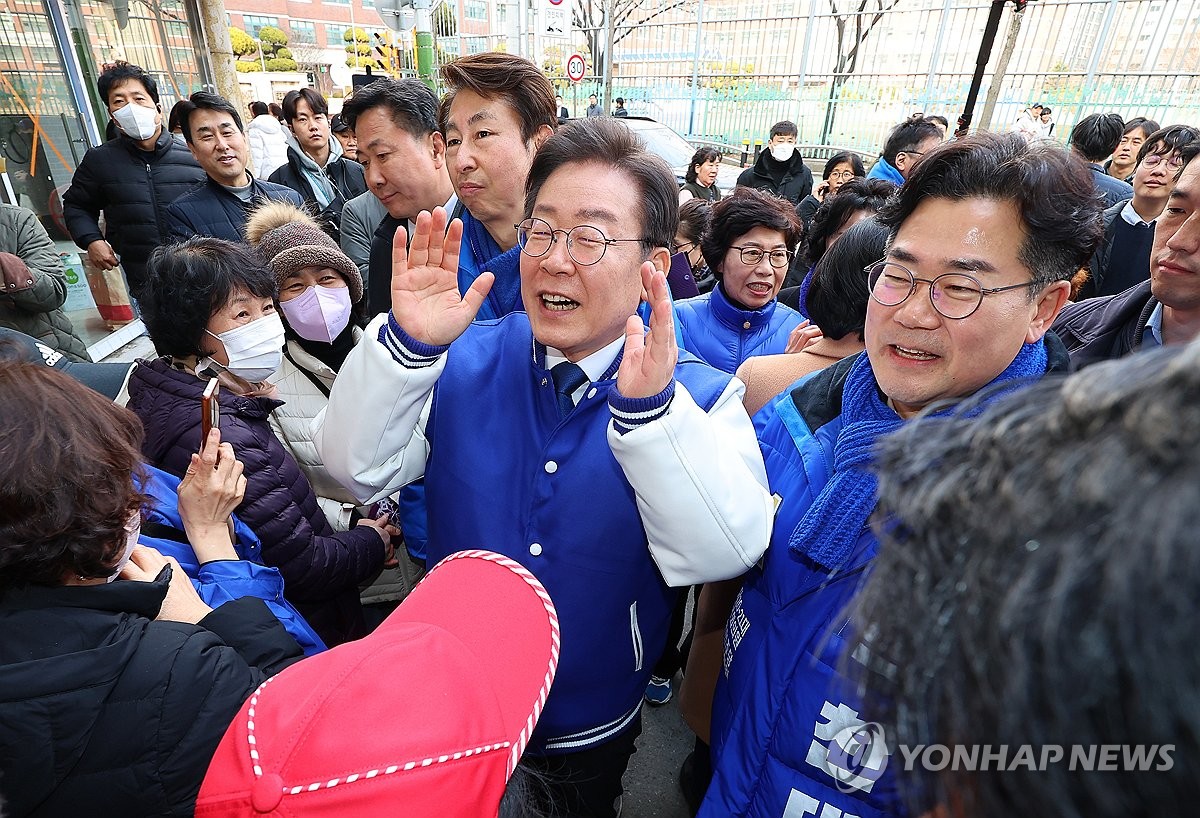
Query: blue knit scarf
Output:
(479,254)
(827,532)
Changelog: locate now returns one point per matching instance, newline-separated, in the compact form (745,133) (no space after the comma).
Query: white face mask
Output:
(783,151)
(137,121)
(255,350)
(319,313)
(133,530)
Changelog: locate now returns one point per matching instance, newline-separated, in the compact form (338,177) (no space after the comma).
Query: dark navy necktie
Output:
(567,378)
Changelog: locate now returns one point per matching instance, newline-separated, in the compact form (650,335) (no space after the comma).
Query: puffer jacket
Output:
(724,335)
(37,310)
(134,189)
(795,180)
(268,144)
(321,568)
(105,712)
(208,209)
(303,399)
(303,383)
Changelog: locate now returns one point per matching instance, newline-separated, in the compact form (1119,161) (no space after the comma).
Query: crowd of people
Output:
(464,339)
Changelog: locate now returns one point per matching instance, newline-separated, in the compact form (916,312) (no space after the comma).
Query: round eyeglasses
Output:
(585,244)
(842,174)
(953,295)
(752,256)
(1173,162)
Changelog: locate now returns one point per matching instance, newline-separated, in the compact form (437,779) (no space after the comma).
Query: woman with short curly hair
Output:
(209,306)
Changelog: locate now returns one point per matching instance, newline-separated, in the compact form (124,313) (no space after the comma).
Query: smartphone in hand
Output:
(210,408)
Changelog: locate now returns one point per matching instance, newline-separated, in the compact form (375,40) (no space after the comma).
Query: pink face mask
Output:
(319,313)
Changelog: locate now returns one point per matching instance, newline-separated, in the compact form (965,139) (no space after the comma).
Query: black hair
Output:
(1052,190)
(1033,588)
(259,108)
(620,100)
(1096,136)
(275,110)
(205,101)
(122,72)
(187,283)
(939,120)
(837,297)
(316,102)
(908,135)
(857,194)
(741,212)
(1046,109)
(849,157)
(1167,140)
(413,108)
(603,141)
(693,219)
(701,156)
(1147,126)
(784,128)
(175,118)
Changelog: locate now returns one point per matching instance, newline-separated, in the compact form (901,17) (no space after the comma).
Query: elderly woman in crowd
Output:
(209,307)
(749,243)
(116,679)
(837,303)
(700,181)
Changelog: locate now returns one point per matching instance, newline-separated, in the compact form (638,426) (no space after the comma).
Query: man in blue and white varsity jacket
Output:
(985,237)
(569,438)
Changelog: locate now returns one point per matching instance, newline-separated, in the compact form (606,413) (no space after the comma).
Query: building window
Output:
(254,23)
(368,4)
(336,2)
(333,34)
(475,9)
(303,32)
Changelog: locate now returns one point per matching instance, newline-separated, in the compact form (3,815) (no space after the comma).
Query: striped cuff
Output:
(406,350)
(630,413)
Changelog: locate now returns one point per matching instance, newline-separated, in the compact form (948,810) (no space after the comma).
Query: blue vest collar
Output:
(734,316)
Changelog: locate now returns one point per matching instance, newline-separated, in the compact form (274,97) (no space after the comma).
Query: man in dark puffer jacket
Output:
(219,206)
(132,179)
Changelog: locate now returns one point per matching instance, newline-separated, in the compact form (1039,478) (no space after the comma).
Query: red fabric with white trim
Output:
(429,715)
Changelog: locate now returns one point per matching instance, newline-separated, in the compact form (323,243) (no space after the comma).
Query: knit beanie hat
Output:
(289,239)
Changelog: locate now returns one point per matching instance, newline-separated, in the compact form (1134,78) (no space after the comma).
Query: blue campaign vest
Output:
(780,710)
(717,331)
(506,474)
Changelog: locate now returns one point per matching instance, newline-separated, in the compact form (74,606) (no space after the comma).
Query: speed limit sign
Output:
(576,67)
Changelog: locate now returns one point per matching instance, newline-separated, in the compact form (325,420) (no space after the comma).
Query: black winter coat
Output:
(346,175)
(208,209)
(321,569)
(1107,327)
(134,189)
(795,183)
(105,712)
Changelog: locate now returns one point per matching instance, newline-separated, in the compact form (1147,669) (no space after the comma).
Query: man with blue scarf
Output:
(986,235)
